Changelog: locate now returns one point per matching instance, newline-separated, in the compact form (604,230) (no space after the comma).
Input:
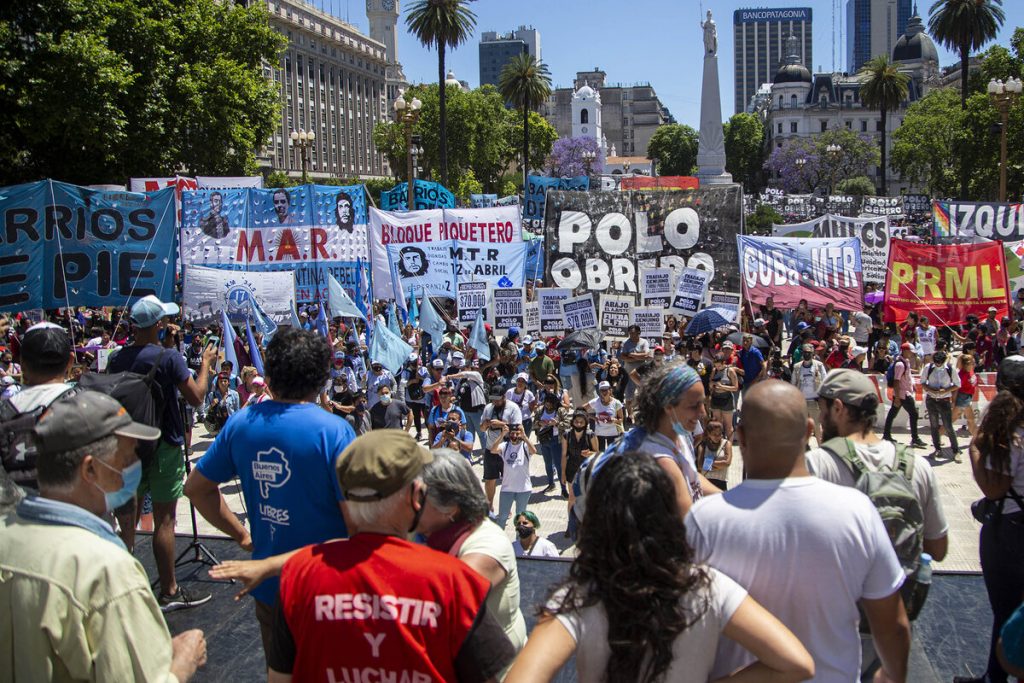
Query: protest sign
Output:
(480,201)
(537,188)
(550,300)
(842,204)
(656,287)
(690,291)
(790,269)
(531,314)
(579,312)
(882,206)
(946,282)
(650,320)
(873,234)
(728,300)
(615,314)
(65,245)
(600,242)
(426,195)
(208,292)
(472,296)
(227,182)
(916,204)
(991,220)
(508,308)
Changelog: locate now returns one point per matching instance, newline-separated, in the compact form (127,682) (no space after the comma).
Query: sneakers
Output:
(549,488)
(182,599)
(917,443)
(565,492)
(963,431)
(956,455)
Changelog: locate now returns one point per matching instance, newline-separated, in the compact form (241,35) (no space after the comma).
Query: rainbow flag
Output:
(940,219)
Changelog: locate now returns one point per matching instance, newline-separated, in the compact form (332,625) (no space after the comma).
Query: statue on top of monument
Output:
(710,35)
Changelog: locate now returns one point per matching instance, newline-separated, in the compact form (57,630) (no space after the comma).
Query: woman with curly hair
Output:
(997,458)
(636,608)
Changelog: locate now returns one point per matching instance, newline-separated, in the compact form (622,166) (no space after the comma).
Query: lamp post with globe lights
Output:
(408,113)
(834,152)
(1003,96)
(589,156)
(304,140)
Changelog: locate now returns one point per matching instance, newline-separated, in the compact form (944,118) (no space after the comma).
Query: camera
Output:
(451,427)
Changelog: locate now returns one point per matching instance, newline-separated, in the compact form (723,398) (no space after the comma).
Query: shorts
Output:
(164,478)
(964,400)
(723,401)
(631,389)
(494,466)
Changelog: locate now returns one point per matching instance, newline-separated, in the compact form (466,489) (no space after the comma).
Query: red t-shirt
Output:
(968,382)
(376,607)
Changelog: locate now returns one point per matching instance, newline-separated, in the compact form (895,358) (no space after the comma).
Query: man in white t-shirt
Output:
(941,383)
(808,375)
(806,549)
(850,402)
(861,323)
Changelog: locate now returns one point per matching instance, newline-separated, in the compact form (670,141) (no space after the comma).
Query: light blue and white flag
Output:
(340,302)
(388,349)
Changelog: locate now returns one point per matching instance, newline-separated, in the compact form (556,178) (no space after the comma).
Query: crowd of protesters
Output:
(636,435)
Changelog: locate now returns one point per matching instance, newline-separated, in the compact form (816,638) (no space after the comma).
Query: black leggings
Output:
(1002,565)
(419,414)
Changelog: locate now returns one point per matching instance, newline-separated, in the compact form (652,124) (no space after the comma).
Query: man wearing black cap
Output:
(402,610)
(65,568)
(498,415)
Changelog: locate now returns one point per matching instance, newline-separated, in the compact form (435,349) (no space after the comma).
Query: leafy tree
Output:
(542,138)
(526,83)
(280,179)
(566,157)
(760,222)
(442,24)
(675,147)
(100,90)
(965,25)
(806,165)
(744,149)
(796,165)
(858,186)
(884,89)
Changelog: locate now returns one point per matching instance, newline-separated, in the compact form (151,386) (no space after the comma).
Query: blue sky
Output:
(656,41)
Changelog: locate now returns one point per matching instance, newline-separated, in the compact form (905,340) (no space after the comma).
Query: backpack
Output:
(18,452)
(140,395)
(890,373)
(931,367)
(892,493)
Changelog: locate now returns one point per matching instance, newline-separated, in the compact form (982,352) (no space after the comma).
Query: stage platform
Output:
(950,637)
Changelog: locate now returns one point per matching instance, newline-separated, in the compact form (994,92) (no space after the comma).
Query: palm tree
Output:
(526,83)
(965,25)
(444,24)
(884,89)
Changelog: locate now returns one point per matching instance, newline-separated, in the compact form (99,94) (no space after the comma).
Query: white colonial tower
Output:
(586,114)
(383,16)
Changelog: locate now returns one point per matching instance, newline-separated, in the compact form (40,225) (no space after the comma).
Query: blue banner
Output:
(65,245)
(537,188)
(427,195)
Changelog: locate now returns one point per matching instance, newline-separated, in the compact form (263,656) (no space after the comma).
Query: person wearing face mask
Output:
(578,444)
(497,418)
(808,375)
(529,543)
(378,377)
(388,413)
(64,565)
(514,450)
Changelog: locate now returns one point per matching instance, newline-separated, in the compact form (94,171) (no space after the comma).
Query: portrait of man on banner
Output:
(215,224)
(344,212)
(282,202)
(413,262)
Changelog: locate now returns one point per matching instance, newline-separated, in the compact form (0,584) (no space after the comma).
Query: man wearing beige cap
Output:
(82,605)
(375,606)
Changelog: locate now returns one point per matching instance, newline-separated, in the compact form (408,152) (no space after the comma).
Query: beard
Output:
(828,428)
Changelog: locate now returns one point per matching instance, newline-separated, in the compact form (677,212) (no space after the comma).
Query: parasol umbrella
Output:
(759,341)
(710,319)
(581,340)
(874,297)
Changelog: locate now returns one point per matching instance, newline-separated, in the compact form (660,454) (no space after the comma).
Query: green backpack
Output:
(892,493)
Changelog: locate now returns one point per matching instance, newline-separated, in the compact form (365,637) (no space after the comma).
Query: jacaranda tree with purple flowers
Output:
(566,158)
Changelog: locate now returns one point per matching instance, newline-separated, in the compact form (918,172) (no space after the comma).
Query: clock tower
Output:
(383,16)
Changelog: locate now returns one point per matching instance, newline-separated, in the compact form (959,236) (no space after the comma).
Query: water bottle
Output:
(915,588)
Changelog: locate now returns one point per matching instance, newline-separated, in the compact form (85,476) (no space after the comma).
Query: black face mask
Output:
(524,531)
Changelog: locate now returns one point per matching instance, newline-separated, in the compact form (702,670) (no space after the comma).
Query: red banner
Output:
(946,283)
(662,182)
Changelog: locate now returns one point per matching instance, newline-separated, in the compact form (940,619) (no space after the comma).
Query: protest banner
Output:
(208,292)
(991,220)
(600,242)
(661,182)
(550,300)
(615,314)
(508,308)
(227,182)
(731,301)
(946,282)
(579,312)
(873,234)
(66,245)
(790,269)
(799,205)
(650,320)
(531,314)
(842,204)
(537,188)
(312,230)
(481,201)
(916,204)
(426,195)
(882,206)
(656,287)
(472,296)
(691,291)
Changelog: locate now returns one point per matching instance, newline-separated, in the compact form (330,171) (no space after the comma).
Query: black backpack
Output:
(140,395)
(18,453)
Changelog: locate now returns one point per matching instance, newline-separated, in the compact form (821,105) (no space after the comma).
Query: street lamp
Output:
(304,140)
(625,166)
(588,158)
(834,152)
(408,113)
(1003,96)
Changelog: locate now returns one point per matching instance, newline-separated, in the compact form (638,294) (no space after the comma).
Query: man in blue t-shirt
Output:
(752,360)
(283,452)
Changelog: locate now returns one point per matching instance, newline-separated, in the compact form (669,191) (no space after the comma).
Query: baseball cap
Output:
(759,322)
(728,345)
(380,463)
(84,417)
(339,355)
(801,326)
(603,385)
(523,376)
(906,346)
(496,391)
(513,331)
(149,310)
(437,363)
(46,344)
(458,355)
(807,348)
(850,387)
(659,348)
(258,381)
(487,327)
(993,309)
(528,339)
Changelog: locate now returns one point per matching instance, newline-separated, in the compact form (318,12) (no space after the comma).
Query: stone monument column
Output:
(711,148)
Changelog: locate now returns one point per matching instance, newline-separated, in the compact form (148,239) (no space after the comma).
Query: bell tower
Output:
(383,16)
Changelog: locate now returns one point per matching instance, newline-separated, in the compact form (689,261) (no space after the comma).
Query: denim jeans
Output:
(940,412)
(1002,566)
(911,408)
(473,425)
(505,500)
(552,452)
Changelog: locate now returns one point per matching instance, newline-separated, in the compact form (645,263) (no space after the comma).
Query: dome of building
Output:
(915,44)
(450,79)
(585,93)
(792,71)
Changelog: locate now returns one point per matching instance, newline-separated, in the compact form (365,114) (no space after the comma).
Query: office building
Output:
(332,81)
(496,49)
(627,118)
(872,28)
(759,37)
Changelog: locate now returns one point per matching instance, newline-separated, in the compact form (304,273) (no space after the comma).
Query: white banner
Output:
(508,308)
(579,312)
(471,297)
(550,300)
(208,291)
(656,286)
(228,182)
(615,314)
(532,316)
(650,320)
(727,300)
(690,291)
(874,235)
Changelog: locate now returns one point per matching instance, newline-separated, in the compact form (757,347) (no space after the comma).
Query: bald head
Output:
(774,429)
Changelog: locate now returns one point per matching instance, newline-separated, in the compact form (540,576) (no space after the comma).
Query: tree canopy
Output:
(744,149)
(675,147)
